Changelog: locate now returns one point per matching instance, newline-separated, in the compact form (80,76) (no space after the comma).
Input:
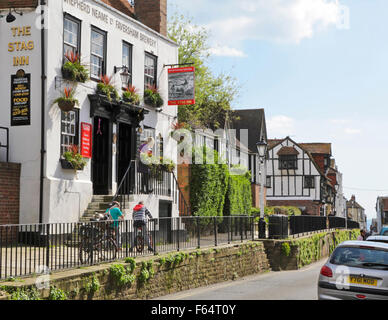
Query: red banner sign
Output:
(86,140)
(181,86)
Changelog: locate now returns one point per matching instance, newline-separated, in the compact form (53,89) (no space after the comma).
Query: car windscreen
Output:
(385,233)
(360,257)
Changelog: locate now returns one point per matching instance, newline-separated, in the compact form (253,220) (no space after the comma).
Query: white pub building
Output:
(123,40)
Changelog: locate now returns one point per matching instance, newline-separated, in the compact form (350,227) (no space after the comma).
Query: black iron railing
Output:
(280,227)
(26,249)
(140,179)
(5,145)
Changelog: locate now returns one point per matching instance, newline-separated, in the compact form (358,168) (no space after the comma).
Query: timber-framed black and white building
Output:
(297,176)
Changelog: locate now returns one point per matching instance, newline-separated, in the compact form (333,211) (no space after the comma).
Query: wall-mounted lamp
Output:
(10,17)
(124,74)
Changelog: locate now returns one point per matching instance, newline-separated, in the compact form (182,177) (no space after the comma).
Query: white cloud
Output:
(352,131)
(225,51)
(280,126)
(286,21)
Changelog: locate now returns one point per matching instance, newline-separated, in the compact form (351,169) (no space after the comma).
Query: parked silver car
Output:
(356,270)
(383,239)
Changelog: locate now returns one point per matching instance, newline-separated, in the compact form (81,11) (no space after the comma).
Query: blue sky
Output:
(320,70)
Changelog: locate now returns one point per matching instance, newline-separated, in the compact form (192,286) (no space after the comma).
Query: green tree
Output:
(214,93)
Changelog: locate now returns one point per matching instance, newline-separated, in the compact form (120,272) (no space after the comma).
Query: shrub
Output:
(57,294)
(73,70)
(130,95)
(106,88)
(121,275)
(152,97)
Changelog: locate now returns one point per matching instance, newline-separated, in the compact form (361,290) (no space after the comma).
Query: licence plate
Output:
(364,281)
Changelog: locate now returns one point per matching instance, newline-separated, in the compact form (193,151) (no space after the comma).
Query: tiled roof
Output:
(317,148)
(254,121)
(5,4)
(286,151)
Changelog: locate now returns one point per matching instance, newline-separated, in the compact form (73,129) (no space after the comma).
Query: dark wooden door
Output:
(125,150)
(102,157)
(165,212)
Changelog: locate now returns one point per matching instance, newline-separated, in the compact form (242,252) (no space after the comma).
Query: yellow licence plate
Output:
(364,281)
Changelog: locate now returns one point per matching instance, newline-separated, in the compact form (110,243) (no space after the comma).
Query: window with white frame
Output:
(69,129)
(127,60)
(71,35)
(150,70)
(149,133)
(98,53)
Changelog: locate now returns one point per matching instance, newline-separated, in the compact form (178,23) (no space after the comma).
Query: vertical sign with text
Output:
(20,99)
(86,140)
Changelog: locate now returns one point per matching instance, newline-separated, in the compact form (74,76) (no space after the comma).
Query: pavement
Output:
(284,285)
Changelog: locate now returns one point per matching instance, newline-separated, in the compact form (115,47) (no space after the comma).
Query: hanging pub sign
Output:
(20,99)
(181,86)
(86,140)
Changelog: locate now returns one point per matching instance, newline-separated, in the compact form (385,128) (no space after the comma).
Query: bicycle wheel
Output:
(108,250)
(88,254)
(139,243)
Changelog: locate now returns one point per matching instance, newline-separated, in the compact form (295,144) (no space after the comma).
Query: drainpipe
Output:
(43,79)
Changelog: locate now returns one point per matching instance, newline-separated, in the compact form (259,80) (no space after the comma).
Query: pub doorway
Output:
(102,156)
(125,152)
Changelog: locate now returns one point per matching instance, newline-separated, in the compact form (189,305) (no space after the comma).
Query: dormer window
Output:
(288,158)
(288,162)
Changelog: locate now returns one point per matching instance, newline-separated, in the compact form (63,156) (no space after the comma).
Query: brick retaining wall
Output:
(9,193)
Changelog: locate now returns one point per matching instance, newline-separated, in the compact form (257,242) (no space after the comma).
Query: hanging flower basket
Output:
(67,102)
(66,105)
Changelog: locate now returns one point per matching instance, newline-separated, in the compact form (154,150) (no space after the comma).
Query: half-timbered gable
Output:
(292,173)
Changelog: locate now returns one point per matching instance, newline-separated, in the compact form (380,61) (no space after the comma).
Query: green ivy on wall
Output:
(238,200)
(208,184)
(214,191)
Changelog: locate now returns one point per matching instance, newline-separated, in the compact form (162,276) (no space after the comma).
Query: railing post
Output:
(154,236)
(198,233)
(48,246)
(241,230)
(215,231)
(177,235)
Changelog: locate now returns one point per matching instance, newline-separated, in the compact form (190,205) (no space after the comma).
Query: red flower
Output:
(131,89)
(68,92)
(72,57)
(105,79)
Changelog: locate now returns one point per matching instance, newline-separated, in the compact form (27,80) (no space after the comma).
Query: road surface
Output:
(284,285)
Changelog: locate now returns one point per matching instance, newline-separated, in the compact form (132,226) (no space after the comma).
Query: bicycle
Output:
(97,242)
(139,238)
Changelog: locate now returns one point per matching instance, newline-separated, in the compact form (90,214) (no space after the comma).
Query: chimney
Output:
(152,13)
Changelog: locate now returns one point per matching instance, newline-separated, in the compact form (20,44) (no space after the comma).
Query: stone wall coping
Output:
(70,274)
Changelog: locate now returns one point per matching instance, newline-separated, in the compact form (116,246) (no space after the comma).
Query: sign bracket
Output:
(178,64)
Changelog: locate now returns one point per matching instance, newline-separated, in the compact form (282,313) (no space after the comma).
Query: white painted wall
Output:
(67,195)
(24,140)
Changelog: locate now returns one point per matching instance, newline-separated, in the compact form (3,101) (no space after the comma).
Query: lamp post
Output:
(262,151)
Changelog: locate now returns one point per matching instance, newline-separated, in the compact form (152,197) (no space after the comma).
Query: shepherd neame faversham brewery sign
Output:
(20,99)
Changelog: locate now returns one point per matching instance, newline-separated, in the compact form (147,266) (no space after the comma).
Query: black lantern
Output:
(10,17)
(262,149)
